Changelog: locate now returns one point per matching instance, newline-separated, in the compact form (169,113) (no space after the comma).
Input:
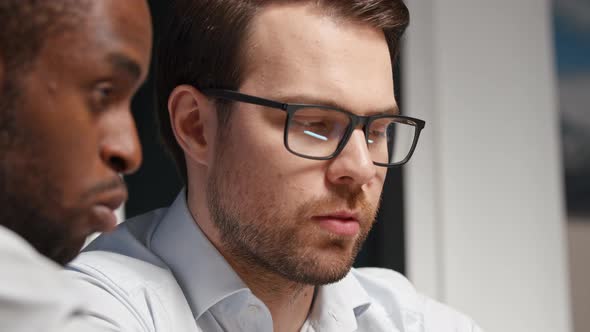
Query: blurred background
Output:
(571,20)
(492,215)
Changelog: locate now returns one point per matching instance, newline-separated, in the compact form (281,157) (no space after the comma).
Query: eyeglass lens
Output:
(317,132)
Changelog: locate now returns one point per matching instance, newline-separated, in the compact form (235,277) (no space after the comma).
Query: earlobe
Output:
(193,122)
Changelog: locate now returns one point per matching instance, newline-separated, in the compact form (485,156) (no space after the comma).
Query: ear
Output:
(194,122)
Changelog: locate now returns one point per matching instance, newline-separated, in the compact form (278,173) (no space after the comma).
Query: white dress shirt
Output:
(35,296)
(159,272)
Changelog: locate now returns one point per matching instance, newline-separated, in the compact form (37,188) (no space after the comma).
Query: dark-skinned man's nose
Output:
(120,147)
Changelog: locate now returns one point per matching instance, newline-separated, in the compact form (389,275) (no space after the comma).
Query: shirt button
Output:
(253,308)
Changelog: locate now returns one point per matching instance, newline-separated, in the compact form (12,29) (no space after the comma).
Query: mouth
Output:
(103,210)
(341,223)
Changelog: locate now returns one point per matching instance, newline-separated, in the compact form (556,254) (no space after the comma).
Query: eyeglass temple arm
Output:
(236,96)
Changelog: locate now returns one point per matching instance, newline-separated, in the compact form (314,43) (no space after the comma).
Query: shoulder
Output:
(116,270)
(395,294)
(21,266)
(127,282)
(130,237)
(134,294)
(15,249)
(33,294)
(122,261)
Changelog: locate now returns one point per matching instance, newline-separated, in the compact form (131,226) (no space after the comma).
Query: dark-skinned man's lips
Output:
(341,223)
(103,209)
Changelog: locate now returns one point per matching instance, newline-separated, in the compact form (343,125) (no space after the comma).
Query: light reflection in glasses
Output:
(314,135)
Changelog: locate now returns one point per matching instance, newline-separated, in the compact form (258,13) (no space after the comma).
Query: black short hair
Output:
(25,25)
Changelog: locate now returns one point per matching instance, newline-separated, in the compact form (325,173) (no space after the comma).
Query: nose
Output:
(120,148)
(354,165)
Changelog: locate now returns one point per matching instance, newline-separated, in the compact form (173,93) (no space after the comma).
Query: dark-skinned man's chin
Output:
(59,239)
(59,246)
(66,252)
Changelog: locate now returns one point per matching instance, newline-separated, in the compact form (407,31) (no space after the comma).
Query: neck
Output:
(289,302)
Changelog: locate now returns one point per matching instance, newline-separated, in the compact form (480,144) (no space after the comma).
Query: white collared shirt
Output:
(159,272)
(34,294)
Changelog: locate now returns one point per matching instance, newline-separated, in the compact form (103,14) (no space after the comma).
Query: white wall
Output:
(485,226)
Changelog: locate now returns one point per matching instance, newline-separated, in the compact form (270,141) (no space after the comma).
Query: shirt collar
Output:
(337,306)
(201,271)
(206,278)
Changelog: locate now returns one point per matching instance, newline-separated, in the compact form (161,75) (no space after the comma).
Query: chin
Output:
(324,274)
(322,268)
(65,241)
(65,251)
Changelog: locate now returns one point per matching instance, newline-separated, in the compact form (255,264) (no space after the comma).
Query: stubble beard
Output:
(30,203)
(260,233)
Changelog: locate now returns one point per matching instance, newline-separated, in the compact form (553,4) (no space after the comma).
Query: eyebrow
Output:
(123,63)
(303,99)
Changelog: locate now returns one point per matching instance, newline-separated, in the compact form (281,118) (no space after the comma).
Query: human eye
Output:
(376,136)
(379,131)
(316,129)
(101,95)
(317,124)
(312,124)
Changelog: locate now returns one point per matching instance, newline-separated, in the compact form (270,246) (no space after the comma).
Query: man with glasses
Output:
(282,120)
(68,71)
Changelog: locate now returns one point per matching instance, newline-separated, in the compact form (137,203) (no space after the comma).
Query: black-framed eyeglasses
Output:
(321,132)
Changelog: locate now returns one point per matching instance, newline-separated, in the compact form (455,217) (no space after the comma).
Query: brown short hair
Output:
(201,44)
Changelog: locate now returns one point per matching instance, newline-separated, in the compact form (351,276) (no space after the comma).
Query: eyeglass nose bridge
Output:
(355,121)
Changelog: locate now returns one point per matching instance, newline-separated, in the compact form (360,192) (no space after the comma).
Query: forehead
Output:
(297,48)
(109,28)
(128,21)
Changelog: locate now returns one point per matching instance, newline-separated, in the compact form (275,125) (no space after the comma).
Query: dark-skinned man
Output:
(68,71)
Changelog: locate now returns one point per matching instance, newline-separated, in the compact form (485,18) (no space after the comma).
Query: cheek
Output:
(257,182)
(377,184)
(72,156)
(259,169)
(61,131)
(70,159)
(253,179)
(375,188)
